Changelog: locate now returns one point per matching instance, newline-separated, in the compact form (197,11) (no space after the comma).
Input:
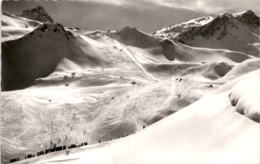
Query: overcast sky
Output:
(147,15)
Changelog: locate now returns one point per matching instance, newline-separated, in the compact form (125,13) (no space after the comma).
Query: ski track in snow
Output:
(135,61)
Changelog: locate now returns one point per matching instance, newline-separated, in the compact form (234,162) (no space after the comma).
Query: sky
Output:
(146,15)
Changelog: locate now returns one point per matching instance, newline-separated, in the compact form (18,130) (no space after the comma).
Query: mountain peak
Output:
(248,13)
(250,18)
(39,51)
(38,13)
(52,29)
(128,29)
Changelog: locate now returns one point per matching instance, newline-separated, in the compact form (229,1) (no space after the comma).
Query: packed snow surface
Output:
(208,131)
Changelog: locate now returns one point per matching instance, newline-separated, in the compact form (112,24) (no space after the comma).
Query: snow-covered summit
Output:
(237,32)
(247,17)
(174,30)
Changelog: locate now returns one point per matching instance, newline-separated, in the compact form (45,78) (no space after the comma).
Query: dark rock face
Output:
(168,49)
(33,56)
(250,19)
(219,24)
(222,68)
(38,13)
(217,70)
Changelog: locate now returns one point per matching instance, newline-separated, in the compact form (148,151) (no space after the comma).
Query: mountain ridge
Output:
(218,32)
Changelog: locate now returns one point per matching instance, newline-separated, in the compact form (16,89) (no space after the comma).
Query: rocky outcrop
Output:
(218,25)
(168,49)
(38,13)
(217,70)
(249,18)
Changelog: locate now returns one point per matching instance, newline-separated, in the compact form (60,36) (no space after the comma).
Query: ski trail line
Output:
(135,61)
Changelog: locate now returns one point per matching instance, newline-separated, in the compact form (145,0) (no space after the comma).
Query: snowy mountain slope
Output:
(243,68)
(89,88)
(23,61)
(163,51)
(208,131)
(14,27)
(186,53)
(134,37)
(95,102)
(236,32)
(246,99)
(173,59)
(34,55)
(102,85)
